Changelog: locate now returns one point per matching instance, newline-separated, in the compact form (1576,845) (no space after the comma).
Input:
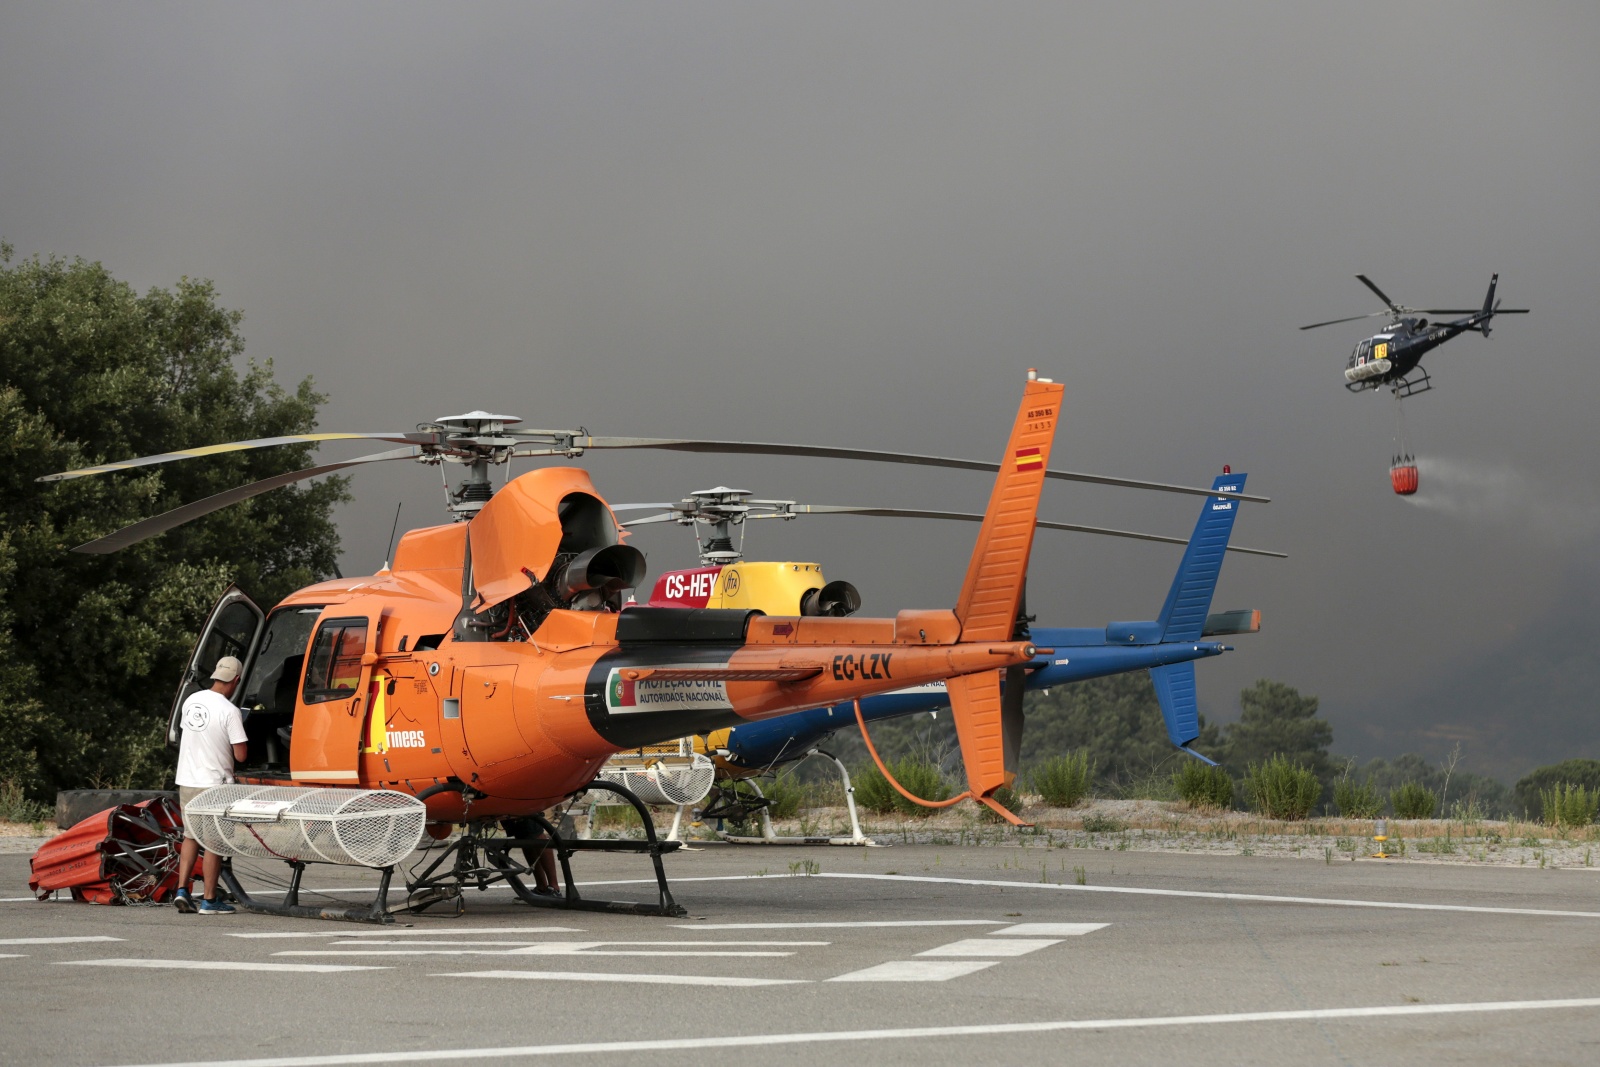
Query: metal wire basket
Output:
(354,827)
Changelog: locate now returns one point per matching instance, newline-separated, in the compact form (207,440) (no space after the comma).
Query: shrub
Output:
(873,791)
(1356,801)
(1063,781)
(1280,789)
(787,793)
(1566,805)
(1413,801)
(921,777)
(1095,823)
(16,807)
(1201,785)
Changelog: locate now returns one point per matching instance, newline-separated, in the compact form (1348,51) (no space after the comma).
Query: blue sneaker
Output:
(215,907)
(183,902)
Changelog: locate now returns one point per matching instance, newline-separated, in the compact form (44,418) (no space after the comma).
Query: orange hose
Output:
(890,778)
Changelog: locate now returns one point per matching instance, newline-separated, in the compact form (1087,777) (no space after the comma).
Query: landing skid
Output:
(768,837)
(478,860)
(379,911)
(1412,386)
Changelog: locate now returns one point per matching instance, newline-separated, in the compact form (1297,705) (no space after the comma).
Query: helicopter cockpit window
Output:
(334,668)
(271,685)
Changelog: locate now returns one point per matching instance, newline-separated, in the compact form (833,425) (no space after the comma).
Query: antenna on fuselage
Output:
(392,529)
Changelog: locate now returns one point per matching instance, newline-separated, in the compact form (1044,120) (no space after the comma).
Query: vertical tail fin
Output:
(1183,616)
(991,595)
(1488,305)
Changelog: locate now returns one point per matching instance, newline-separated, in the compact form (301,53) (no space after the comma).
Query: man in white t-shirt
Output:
(213,738)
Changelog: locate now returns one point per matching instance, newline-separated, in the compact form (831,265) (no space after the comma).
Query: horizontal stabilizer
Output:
(1240,621)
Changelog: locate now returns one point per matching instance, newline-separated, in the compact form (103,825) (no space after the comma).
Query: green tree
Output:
(1277,721)
(1116,720)
(91,646)
(1529,790)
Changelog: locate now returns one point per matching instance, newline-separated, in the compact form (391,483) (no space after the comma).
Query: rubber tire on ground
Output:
(75,805)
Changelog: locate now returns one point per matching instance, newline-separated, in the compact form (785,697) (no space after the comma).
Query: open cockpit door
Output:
(233,629)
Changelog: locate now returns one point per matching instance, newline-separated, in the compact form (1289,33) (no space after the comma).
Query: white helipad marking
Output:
(219,965)
(916,971)
(517,944)
(476,931)
(1049,929)
(646,979)
(570,948)
(54,940)
(1205,895)
(700,1044)
(838,925)
(989,947)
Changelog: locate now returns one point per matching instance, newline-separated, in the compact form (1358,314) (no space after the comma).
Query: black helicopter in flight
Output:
(1394,356)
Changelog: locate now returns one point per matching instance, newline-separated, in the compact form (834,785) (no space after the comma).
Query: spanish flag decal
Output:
(1029,459)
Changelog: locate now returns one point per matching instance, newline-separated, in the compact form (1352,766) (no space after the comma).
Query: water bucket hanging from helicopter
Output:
(1403,468)
(1403,475)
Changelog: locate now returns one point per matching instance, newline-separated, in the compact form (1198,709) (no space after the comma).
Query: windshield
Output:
(276,674)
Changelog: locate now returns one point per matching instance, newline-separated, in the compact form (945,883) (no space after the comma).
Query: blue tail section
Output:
(1183,616)
(1175,689)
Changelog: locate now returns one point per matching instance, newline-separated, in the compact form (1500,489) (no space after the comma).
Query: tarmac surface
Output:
(908,954)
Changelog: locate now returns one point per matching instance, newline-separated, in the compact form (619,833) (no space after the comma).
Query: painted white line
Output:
(426,932)
(13,956)
(700,1044)
(916,971)
(838,925)
(991,948)
(585,976)
(573,948)
(23,900)
(54,940)
(669,944)
(1204,895)
(217,965)
(1049,929)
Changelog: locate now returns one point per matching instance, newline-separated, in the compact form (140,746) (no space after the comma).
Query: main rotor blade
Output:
(650,519)
(1351,318)
(637,507)
(763,448)
(969,516)
(1366,281)
(237,446)
(159,524)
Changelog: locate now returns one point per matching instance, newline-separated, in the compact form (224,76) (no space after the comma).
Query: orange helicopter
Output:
(493,667)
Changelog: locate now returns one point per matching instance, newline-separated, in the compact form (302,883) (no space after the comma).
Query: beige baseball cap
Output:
(228,669)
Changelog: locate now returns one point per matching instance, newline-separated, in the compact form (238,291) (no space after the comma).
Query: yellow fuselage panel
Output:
(775,588)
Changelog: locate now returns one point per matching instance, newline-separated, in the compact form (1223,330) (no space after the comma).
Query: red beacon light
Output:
(1403,475)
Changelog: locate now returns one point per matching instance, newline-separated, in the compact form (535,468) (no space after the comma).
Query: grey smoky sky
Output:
(860,224)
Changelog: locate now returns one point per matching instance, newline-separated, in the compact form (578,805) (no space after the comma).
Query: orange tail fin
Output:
(991,596)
